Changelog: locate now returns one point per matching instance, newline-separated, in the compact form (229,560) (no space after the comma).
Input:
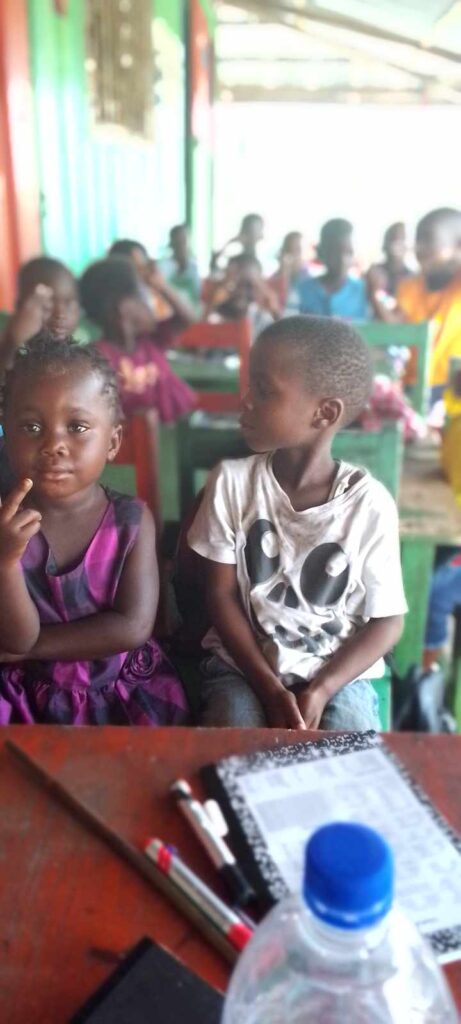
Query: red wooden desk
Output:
(63,894)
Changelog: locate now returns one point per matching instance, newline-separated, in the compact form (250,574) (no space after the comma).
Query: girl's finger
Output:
(43,292)
(30,530)
(15,499)
(26,516)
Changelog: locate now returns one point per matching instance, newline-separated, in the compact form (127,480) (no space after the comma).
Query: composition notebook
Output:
(274,800)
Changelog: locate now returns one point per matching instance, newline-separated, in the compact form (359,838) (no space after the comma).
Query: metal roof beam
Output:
(325,17)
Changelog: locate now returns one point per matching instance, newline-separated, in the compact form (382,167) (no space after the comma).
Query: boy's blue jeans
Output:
(228,700)
(445,596)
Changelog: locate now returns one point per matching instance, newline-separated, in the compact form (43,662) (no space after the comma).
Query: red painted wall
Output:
(19,191)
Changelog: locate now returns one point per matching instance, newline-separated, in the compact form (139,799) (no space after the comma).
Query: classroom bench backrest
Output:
(230,336)
(136,468)
(380,452)
(412,336)
(201,447)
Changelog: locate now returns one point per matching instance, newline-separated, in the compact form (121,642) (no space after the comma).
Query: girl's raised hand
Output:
(32,315)
(154,277)
(17,525)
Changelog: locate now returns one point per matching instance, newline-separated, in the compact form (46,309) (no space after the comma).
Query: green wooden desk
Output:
(213,374)
(429,518)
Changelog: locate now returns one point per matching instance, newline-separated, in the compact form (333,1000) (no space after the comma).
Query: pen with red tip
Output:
(226,920)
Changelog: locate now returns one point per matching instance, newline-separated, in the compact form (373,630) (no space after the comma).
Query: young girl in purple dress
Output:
(78,570)
(133,341)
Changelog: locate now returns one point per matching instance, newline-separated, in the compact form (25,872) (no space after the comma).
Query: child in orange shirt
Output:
(435,294)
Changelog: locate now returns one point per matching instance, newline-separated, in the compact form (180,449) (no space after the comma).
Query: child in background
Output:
(137,254)
(244,294)
(435,294)
(246,243)
(47,297)
(153,288)
(134,251)
(335,293)
(286,282)
(181,270)
(444,599)
(78,570)
(302,556)
(383,279)
(132,340)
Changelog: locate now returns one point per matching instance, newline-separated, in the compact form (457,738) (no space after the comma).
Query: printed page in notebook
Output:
(280,798)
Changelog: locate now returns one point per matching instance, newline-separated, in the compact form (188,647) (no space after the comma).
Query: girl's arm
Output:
(376,290)
(183,314)
(228,617)
(27,321)
(216,256)
(19,619)
(124,627)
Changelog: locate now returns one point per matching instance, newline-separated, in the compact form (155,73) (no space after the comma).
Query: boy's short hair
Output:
(333,229)
(125,246)
(249,220)
(48,355)
(176,230)
(392,232)
(290,237)
(104,284)
(331,354)
(446,216)
(39,270)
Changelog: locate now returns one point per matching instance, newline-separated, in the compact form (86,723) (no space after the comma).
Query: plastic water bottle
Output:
(340,953)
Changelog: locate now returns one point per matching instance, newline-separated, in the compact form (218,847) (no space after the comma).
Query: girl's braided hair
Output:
(44,354)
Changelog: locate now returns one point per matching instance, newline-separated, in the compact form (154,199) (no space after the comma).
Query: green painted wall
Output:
(170,116)
(199,156)
(94,187)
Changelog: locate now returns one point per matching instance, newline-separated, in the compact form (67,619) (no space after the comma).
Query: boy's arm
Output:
(125,627)
(356,655)
(228,617)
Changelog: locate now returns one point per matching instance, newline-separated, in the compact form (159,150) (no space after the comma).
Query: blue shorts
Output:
(228,700)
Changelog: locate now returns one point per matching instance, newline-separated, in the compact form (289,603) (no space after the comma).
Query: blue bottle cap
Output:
(349,875)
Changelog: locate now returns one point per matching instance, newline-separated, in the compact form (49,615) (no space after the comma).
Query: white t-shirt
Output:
(307,579)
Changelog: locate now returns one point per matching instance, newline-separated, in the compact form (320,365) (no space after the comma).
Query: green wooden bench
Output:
(201,444)
(417,336)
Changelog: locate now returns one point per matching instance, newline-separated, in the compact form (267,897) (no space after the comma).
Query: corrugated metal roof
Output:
(385,50)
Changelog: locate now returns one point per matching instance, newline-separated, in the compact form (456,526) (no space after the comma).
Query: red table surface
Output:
(65,895)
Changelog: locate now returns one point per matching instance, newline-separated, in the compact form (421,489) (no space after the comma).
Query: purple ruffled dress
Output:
(131,688)
(146,378)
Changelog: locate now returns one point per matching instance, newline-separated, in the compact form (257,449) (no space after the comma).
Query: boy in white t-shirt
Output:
(304,584)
